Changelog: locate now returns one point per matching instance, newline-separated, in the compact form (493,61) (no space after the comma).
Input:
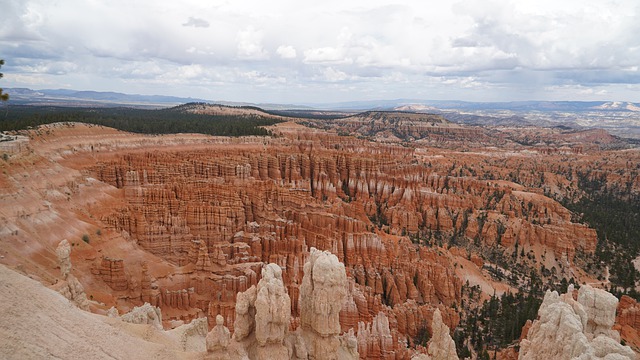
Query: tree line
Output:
(145,121)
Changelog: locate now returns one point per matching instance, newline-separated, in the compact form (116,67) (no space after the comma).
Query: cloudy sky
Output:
(297,51)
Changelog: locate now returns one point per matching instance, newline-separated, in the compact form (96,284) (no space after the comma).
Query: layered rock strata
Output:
(628,321)
(194,218)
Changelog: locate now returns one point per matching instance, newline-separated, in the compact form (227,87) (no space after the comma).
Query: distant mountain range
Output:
(66,97)
(426,105)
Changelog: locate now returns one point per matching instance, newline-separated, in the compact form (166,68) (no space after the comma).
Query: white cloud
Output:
(286,52)
(373,48)
(333,75)
(326,55)
(250,45)
(30,80)
(468,82)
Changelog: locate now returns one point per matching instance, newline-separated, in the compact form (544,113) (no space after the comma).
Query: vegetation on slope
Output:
(163,121)
(614,212)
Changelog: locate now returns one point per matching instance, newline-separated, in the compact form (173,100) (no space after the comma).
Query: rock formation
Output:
(69,287)
(38,323)
(324,287)
(245,314)
(628,321)
(273,314)
(218,341)
(375,340)
(570,329)
(188,221)
(263,317)
(63,251)
(191,336)
(145,314)
(112,272)
(220,213)
(441,345)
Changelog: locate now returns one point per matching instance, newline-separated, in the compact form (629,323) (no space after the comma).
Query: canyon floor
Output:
(424,214)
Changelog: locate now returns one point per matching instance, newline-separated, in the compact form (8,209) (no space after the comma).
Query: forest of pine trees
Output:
(163,121)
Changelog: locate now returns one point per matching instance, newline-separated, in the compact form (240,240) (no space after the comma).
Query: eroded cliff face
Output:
(187,223)
(220,214)
(628,321)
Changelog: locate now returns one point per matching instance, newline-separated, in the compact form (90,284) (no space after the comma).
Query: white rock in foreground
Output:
(570,329)
(441,345)
(39,323)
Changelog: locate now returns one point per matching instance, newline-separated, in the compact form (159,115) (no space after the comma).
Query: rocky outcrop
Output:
(570,329)
(263,317)
(149,290)
(273,314)
(39,323)
(145,314)
(441,345)
(324,287)
(218,341)
(112,272)
(396,126)
(69,287)
(375,340)
(191,336)
(628,321)
(63,252)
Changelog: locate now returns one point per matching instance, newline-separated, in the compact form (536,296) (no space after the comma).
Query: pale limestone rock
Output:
(296,346)
(63,252)
(263,316)
(600,307)
(441,345)
(145,314)
(322,293)
(74,291)
(113,312)
(348,346)
(273,314)
(245,314)
(218,341)
(569,329)
(421,357)
(191,336)
(70,287)
(609,349)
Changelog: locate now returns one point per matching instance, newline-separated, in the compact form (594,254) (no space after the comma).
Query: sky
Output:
(300,51)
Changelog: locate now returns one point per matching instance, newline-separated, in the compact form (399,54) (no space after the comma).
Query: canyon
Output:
(415,210)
